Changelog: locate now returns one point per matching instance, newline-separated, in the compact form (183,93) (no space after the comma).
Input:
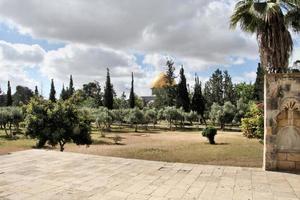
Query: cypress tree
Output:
(36,91)
(170,80)
(71,87)
(259,84)
(52,92)
(64,93)
(182,99)
(9,100)
(108,92)
(198,101)
(131,96)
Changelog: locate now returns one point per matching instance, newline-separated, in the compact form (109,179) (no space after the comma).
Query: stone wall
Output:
(282,122)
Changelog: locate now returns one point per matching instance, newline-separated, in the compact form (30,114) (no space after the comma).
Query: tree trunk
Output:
(61,144)
(135,128)
(222,126)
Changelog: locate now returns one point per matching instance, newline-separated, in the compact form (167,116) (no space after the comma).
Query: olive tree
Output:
(104,120)
(10,118)
(172,115)
(135,116)
(222,114)
(151,116)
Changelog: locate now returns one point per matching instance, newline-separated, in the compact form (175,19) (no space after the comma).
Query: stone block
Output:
(281,156)
(286,165)
(293,157)
(297,165)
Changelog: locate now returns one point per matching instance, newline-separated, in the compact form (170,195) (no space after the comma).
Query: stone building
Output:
(282,122)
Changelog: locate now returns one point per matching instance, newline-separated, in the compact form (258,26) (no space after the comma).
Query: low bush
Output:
(210,133)
(253,124)
(117,139)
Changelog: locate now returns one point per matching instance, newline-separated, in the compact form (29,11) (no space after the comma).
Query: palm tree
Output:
(270,20)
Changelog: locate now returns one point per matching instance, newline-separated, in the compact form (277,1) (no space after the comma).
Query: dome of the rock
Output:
(160,81)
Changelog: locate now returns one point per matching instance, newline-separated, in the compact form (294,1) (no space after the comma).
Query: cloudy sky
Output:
(40,40)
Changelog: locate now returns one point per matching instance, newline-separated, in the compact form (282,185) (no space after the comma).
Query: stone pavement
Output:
(41,174)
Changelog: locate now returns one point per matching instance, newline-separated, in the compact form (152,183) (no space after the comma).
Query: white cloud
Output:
(21,53)
(189,30)
(245,77)
(15,59)
(87,63)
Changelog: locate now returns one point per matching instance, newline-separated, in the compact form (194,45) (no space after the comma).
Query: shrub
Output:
(210,133)
(117,139)
(57,123)
(253,124)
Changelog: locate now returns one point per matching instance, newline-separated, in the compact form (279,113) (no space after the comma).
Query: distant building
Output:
(158,84)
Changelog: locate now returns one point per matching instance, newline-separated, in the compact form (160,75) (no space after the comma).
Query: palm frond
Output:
(292,19)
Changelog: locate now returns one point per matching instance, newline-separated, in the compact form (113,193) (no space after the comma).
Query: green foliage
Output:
(151,116)
(210,133)
(11,117)
(191,116)
(71,88)
(213,90)
(270,21)
(182,99)
(104,119)
(52,92)
(253,124)
(135,116)
(92,90)
(132,96)
(22,95)
(228,89)
(121,102)
(119,115)
(117,139)
(170,88)
(57,123)
(241,109)
(258,92)
(64,94)
(108,93)
(139,103)
(244,91)
(219,89)
(172,115)
(198,101)
(9,100)
(36,91)
(222,114)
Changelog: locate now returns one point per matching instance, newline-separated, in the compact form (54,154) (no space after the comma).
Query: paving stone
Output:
(52,175)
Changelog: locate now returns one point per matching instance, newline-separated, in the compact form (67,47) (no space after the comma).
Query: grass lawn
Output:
(176,146)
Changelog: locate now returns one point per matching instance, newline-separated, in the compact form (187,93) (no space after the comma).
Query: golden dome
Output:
(160,81)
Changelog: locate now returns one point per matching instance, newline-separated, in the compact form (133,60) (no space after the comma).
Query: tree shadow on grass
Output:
(222,143)
(102,142)
(218,143)
(5,137)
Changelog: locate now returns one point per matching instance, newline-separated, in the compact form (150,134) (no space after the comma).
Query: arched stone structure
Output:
(282,122)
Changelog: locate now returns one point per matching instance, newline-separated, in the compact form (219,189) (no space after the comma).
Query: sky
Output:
(44,40)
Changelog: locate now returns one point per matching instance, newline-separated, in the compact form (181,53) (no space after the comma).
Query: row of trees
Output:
(218,89)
